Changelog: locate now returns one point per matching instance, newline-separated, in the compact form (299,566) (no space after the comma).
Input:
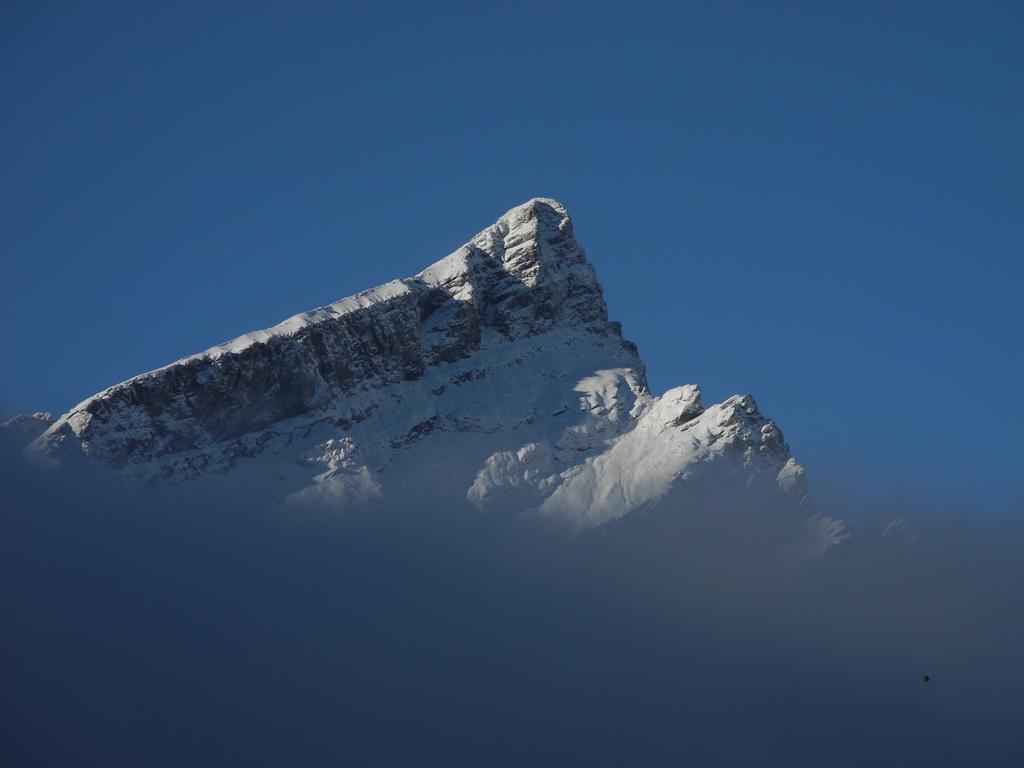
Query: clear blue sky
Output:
(818,203)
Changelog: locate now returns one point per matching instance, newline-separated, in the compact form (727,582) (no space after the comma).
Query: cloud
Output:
(900,530)
(195,627)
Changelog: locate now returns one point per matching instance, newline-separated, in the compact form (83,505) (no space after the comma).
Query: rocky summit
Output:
(494,377)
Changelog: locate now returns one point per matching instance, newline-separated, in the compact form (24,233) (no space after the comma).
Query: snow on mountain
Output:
(494,375)
(21,430)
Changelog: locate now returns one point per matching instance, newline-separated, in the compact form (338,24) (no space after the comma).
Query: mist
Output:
(173,628)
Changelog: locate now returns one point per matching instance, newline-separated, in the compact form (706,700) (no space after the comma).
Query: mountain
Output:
(18,432)
(493,376)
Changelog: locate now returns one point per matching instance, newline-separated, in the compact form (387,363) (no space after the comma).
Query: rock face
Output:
(497,363)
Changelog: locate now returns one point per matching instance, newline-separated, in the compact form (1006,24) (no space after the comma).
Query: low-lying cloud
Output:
(156,629)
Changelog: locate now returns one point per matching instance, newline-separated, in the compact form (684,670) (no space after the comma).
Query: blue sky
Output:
(818,203)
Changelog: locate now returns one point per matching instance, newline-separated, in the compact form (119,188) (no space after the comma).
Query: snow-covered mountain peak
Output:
(494,375)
